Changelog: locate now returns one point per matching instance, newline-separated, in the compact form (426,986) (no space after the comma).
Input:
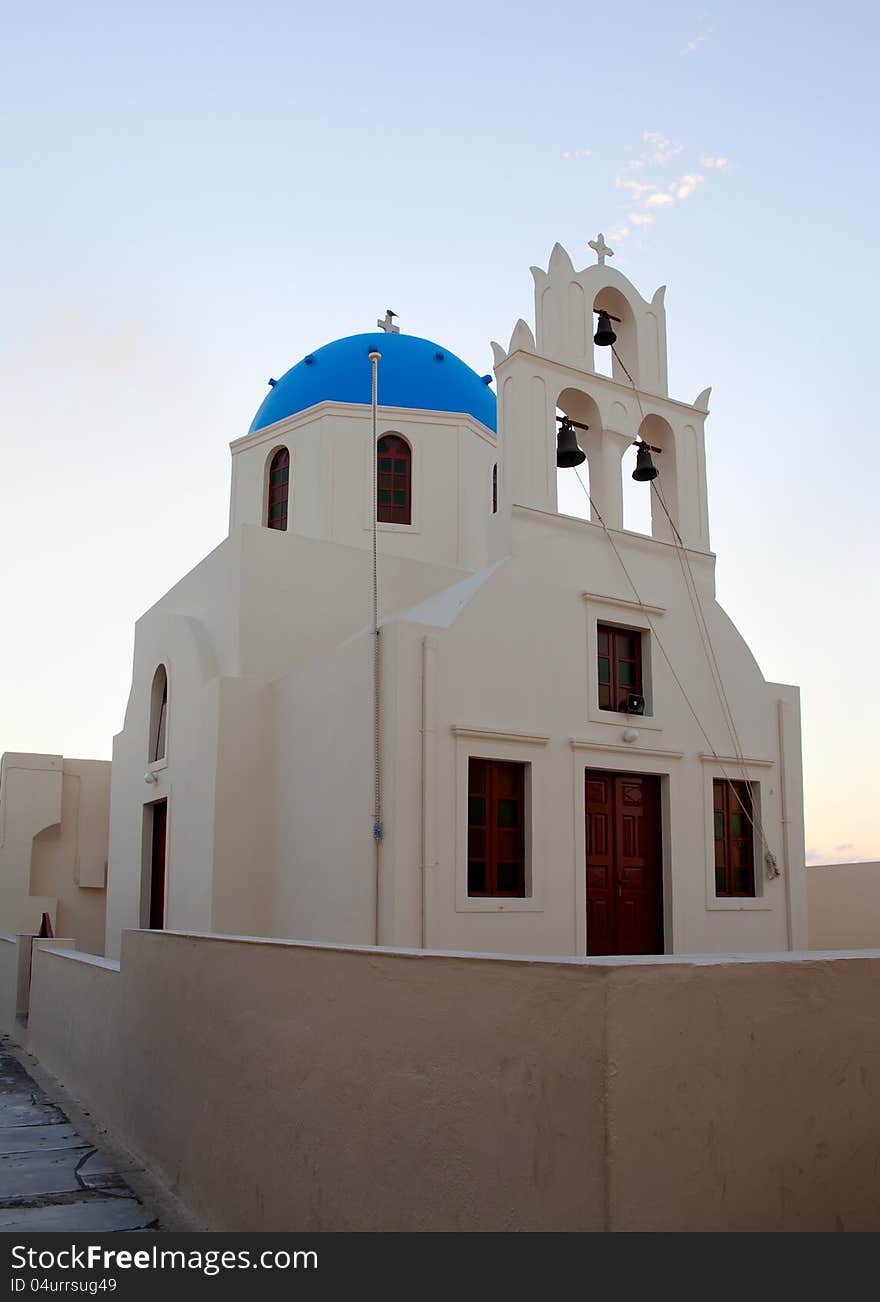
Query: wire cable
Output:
(693,592)
(708,650)
(705,634)
(645,612)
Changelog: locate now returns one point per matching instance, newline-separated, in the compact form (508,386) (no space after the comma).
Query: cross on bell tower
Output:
(601,248)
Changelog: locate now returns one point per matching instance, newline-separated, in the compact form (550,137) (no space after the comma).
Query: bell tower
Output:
(554,370)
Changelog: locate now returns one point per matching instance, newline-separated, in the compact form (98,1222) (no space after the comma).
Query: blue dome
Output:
(413,372)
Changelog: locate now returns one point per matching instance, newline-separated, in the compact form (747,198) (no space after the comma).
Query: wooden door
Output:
(157,865)
(624,865)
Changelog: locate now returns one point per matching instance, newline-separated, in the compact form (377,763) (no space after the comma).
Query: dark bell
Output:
(568,452)
(604,335)
(645,468)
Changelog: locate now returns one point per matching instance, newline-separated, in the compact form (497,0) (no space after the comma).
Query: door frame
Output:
(147,863)
(629,763)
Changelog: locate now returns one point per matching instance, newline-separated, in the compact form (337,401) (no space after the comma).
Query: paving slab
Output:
(13,1076)
(96,1215)
(25,1139)
(51,1178)
(20,1109)
(41,1172)
(98,1171)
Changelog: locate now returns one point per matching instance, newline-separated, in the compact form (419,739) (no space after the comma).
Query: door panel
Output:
(624,867)
(600,862)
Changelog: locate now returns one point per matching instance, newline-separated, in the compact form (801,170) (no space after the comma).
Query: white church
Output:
(407,702)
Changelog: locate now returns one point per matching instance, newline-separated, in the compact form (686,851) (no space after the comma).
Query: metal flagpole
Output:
(375,358)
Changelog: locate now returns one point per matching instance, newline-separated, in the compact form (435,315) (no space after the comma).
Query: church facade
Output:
(515,731)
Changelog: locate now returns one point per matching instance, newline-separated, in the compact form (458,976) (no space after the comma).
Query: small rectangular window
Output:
(732,811)
(619,667)
(496,828)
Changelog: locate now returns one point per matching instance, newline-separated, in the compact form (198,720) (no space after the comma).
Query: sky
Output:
(196,195)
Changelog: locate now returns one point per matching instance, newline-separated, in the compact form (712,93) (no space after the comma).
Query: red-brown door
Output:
(624,864)
(157,865)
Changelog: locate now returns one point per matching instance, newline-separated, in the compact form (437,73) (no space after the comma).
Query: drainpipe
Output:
(783,809)
(428,810)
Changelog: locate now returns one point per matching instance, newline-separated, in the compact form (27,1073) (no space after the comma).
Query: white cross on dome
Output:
(388,324)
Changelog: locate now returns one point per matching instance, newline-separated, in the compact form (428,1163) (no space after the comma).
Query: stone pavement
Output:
(50,1177)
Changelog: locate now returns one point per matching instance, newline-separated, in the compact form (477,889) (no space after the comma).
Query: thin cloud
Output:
(692,46)
(576,153)
(831,857)
(662,149)
(649,191)
(688,184)
(637,188)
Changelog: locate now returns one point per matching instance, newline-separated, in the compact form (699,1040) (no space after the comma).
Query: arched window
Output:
(394,480)
(495,489)
(279,488)
(158,714)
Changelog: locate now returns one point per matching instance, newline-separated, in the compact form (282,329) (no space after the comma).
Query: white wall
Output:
(287,850)
(269,770)
(844,905)
(518,659)
(263,606)
(54,813)
(526,622)
(331,480)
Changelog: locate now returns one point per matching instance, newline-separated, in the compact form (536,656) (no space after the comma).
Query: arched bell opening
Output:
(571,499)
(663,491)
(637,517)
(603,357)
(625,346)
(599,471)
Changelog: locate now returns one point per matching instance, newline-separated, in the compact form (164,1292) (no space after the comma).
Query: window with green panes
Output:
(279,490)
(619,665)
(496,828)
(732,804)
(394,480)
